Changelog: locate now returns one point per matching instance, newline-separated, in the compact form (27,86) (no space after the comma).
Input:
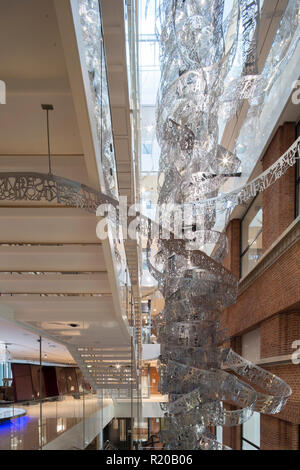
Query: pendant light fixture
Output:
(4,353)
(47,108)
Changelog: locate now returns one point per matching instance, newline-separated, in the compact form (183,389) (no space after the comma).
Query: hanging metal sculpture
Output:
(199,43)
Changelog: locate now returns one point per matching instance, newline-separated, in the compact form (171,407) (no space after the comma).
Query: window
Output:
(219,434)
(251,433)
(251,345)
(146,306)
(147,148)
(251,236)
(5,372)
(144,260)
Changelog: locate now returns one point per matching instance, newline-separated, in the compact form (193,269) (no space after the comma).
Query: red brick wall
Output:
(279,199)
(232,260)
(290,373)
(276,290)
(271,302)
(278,334)
(232,437)
(277,434)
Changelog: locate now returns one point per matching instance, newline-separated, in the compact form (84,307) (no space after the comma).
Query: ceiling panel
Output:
(50,283)
(63,258)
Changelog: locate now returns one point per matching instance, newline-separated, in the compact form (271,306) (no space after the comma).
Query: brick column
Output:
(232,260)
(279,199)
(232,435)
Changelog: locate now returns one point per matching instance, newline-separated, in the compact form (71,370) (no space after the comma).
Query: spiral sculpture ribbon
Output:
(199,43)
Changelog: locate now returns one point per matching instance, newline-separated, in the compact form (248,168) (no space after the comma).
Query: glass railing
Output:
(132,57)
(127,394)
(95,61)
(32,425)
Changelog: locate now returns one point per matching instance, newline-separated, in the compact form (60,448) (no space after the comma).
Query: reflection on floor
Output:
(11,412)
(23,433)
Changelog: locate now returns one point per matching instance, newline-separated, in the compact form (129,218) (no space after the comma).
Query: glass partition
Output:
(24,427)
(41,400)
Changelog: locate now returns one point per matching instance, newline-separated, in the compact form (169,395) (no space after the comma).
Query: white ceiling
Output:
(24,345)
(32,59)
(34,70)
(23,125)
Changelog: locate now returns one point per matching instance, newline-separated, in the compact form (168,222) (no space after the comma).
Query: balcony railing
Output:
(32,425)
